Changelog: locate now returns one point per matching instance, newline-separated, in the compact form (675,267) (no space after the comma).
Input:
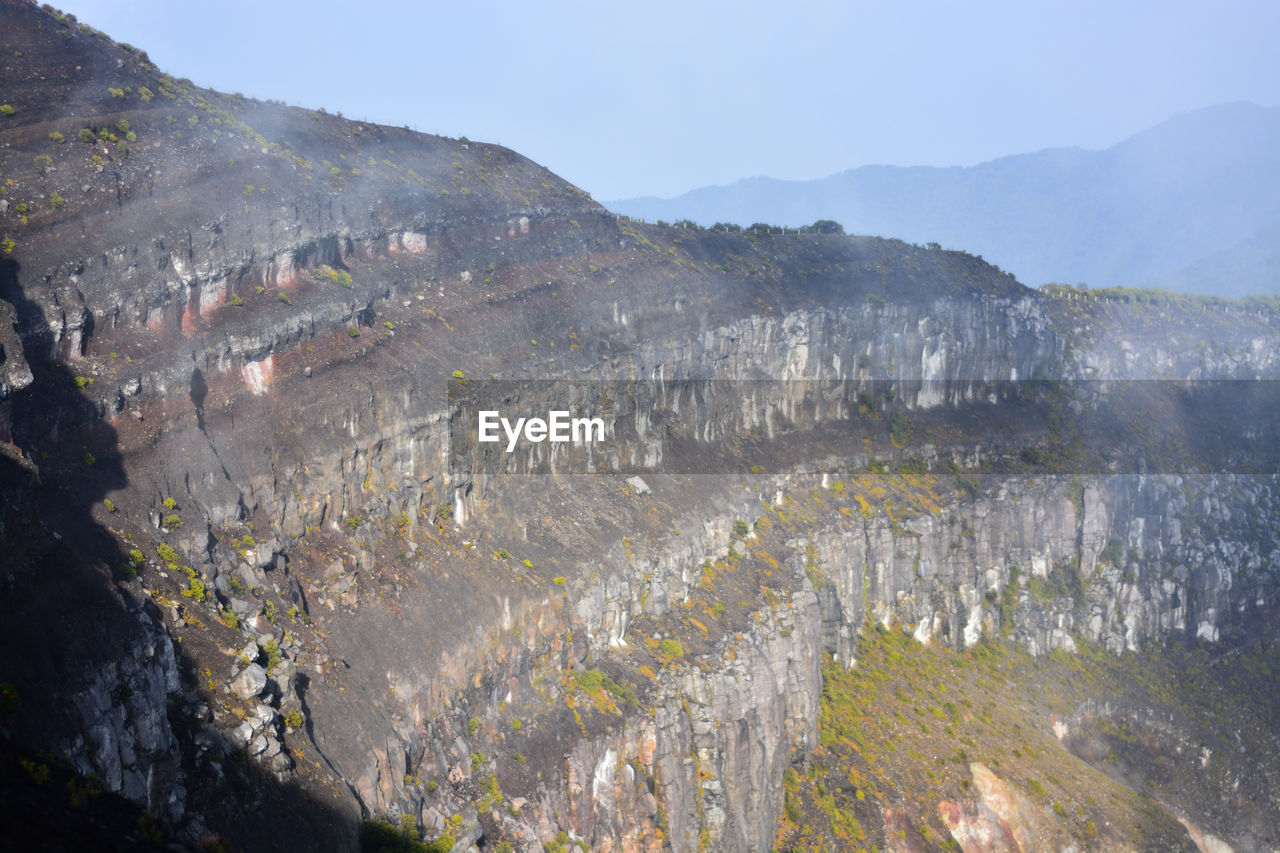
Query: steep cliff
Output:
(269,603)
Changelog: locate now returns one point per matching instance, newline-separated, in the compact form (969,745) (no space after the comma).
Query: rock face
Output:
(1107,560)
(243,441)
(125,736)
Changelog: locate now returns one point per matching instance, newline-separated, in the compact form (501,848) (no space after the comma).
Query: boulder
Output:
(250,682)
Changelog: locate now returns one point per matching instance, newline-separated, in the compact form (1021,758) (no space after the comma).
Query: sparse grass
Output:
(901,728)
(671,648)
(328,273)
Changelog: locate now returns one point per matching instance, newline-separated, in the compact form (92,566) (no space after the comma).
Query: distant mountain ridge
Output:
(1163,206)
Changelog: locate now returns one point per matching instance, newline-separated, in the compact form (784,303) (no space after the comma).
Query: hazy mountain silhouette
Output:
(1250,266)
(1145,210)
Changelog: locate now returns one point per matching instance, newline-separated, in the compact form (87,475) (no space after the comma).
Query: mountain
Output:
(877,546)
(1250,266)
(1189,188)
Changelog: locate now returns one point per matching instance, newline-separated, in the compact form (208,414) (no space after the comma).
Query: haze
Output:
(664,97)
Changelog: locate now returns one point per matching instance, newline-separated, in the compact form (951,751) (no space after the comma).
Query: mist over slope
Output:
(1253,264)
(1141,210)
(901,541)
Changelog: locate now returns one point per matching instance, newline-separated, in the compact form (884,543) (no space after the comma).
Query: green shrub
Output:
(109,504)
(167,553)
(38,772)
(899,429)
(56,201)
(671,648)
(57,137)
(354,522)
(590,680)
(173,521)
(384,837)
(7,110)
(195,590)
(1113,553)
(86,135)
(272,649)
(341,277)
(42,162)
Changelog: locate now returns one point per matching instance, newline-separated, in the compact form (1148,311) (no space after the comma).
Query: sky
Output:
(661,97)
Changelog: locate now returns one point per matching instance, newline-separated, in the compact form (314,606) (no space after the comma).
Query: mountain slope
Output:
(1192,186)
(1250,266)
(254,587)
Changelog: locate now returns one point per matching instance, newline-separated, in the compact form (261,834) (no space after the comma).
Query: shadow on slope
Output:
(71,619)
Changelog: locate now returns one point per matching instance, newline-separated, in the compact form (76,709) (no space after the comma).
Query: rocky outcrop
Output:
(124,737)
(1119,561)
(252,364)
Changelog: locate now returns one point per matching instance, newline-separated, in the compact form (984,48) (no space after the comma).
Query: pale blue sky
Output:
(661,97)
